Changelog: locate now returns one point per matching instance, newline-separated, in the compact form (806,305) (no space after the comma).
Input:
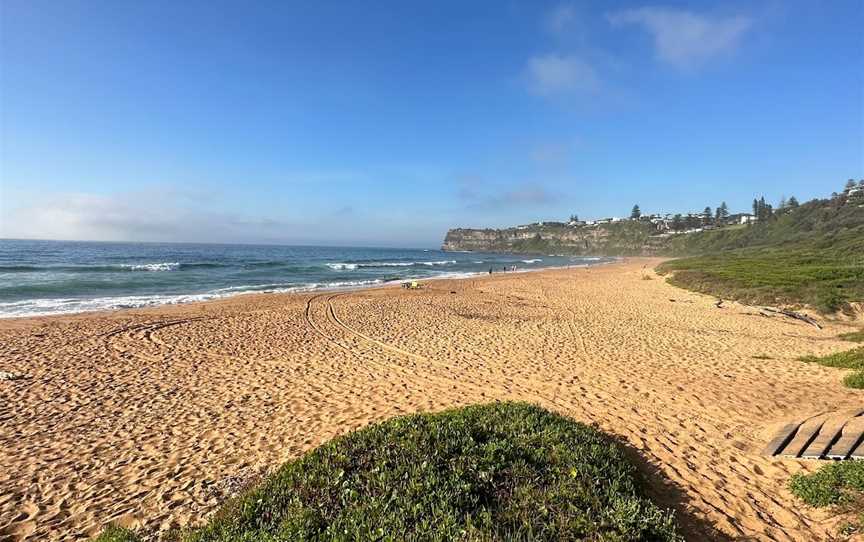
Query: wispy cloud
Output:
(140,216)
(478,195)
(561,74)
(553,153)
(685,39)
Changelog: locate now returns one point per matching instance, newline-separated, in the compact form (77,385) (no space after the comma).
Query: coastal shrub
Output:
(813,256)
(854,380)
(850,359)
(839,485)
(501,471)
(117,534)
(855,336)
(835,483)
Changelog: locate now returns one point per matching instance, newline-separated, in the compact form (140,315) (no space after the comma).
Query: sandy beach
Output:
(152,417)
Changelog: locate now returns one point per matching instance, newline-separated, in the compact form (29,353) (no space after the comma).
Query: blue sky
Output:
(385,123)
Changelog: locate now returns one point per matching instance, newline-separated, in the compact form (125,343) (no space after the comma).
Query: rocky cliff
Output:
(616,239)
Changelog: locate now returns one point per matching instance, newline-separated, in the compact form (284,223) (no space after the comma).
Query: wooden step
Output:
(781,439)
(850,438)
(830,432)
(804,436)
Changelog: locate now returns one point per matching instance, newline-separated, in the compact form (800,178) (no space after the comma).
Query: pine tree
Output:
(793,202)
(706,216)
(762,215)
(722,212)
(635,213)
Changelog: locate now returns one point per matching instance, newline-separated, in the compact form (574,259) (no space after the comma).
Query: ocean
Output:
(61,277)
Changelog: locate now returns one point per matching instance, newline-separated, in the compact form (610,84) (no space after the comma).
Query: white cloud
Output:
(685,39)
(163,214)
(154,215)
(560,74)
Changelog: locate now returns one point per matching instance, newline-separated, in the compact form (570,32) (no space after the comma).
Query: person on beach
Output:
(490,270)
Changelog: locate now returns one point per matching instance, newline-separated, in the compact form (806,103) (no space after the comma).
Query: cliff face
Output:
(618,239)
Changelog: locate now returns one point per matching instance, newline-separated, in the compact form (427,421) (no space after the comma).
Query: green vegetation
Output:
(504,471)
(855,336)
(836,484)
(851,359)
(812,254)
(117,534)
(854,380)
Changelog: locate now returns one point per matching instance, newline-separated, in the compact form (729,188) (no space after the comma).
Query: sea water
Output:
(55,277)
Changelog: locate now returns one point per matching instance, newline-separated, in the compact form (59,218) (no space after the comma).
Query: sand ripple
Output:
(152,417)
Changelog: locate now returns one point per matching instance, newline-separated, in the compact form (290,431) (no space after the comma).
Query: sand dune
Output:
(151,417)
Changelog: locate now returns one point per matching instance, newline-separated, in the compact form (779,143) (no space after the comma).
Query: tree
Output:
(850,184)
(722,212)
(574,218)
(782,203)
(677,223)
(763,211)
(792,203)
(635,213)
(706,216)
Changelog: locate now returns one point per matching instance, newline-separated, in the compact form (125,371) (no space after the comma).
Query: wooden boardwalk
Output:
(833,435)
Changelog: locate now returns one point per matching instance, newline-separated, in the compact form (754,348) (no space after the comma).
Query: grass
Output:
(117,534)
(812,256)
(854,380)
(855,336)
(850,359)
(839,485)
(503,471)
(799,275)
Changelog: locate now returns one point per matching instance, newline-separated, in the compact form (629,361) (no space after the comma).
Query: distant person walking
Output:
(490,270)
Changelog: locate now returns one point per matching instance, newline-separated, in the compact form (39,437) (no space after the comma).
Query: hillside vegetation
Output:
(504,471)
(811,255)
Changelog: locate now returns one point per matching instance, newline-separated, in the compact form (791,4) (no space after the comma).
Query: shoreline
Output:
(301,290)
(152,417)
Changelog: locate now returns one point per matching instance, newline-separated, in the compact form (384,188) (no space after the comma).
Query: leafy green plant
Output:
(854,380)
(833,484)
(855,336)
(117,534)
(502,471)
(850,359)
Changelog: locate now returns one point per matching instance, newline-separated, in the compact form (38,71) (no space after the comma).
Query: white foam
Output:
(55,306)
(442,262)
(163,266)
(341,266)
(535,260)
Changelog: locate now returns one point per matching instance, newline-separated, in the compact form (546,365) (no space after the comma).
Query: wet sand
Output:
(152,417)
